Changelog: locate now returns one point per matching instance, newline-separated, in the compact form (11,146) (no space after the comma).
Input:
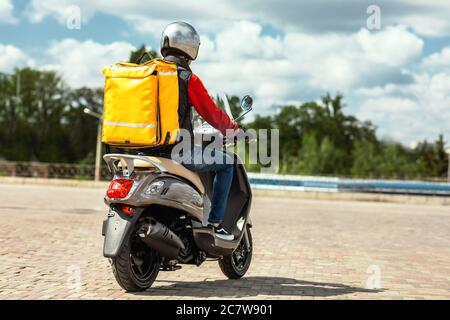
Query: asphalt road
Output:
(51,248)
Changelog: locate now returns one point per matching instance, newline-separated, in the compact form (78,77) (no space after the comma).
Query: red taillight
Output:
(119,188)
(129,211)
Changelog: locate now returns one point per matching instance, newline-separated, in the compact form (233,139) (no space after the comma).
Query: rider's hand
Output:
(241,128)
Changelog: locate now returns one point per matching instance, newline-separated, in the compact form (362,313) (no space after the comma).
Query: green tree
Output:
(45,121)
(81,129)
(32,120)
(335,134)
(441,158)
(308,157)
(364,159)
(393,162)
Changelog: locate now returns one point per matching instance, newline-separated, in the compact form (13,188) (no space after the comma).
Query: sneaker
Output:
(221,233)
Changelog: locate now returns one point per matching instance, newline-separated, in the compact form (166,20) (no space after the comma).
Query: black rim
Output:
(143,261)
(240,256)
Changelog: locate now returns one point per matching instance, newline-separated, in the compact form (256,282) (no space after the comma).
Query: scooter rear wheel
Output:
(136,266)
(236,264)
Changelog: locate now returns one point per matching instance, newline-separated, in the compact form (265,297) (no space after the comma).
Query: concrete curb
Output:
(347,196)
(404,199)
(55,182)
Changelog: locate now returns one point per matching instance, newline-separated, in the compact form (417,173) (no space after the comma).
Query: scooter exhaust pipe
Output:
(160,238)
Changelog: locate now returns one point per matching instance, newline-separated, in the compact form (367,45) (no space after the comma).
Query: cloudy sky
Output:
(284,51)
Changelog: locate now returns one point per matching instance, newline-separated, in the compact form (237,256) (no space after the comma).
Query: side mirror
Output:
(247,103)
(246,106)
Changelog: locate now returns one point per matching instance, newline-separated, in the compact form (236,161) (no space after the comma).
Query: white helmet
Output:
(182,38)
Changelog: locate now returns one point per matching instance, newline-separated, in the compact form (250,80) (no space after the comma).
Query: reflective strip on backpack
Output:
(123,68)
(128,124)
(162,74)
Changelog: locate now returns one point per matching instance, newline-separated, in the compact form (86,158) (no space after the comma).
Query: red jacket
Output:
(206,107)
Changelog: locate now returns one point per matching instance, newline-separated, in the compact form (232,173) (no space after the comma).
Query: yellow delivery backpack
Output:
(140,104)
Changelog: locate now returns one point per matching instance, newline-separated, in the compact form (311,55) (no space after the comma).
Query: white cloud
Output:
(61,10)
(397,116)
(6,12)
(147,17)
(438,60)
(243,40)
(425,17)
(429,25)
(417,110)
(340,62)
(241,59)
(394,46)
(12,57)
(413,118)
(80,63)
(377,90)
(143,25)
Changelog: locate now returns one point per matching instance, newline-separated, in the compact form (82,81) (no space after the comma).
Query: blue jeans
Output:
(222,179)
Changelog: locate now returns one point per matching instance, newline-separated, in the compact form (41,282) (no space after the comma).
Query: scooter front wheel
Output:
(236,264)
(136,266)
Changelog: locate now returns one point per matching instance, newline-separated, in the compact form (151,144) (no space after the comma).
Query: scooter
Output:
(158,212)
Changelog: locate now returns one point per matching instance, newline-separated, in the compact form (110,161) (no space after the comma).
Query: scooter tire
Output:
(228,266)
(122,270)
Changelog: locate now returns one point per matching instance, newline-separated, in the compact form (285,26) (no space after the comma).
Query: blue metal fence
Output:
(325,184)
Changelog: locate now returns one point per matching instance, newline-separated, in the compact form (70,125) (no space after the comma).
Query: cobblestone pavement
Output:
(50,237)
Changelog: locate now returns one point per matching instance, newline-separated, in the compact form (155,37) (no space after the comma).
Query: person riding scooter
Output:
(180,43)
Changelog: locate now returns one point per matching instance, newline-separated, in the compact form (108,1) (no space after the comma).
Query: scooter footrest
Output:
(170,268)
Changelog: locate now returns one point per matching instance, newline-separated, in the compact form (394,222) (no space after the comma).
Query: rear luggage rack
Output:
(127,162)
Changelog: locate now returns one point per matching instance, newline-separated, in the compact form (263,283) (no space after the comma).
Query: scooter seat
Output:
(174,168)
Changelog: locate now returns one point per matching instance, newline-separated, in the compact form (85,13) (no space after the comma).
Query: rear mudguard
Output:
(116,228)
